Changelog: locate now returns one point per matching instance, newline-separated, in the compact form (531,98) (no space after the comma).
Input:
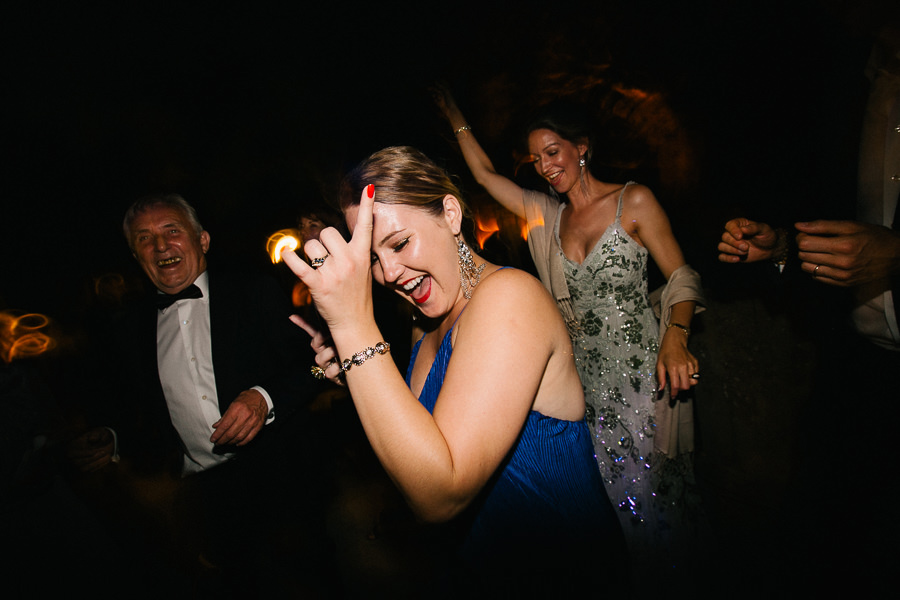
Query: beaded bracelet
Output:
(363,355)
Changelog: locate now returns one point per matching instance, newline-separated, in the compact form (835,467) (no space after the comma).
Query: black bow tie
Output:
(167,300)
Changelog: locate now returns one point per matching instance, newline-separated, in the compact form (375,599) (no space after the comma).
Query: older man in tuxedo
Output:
(212,382)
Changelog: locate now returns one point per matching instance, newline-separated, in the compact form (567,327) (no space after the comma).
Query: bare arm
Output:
(439,462)
(501,188)
(674,363)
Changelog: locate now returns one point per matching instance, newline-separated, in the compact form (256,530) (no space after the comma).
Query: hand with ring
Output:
(342,292)
(315,263)
(326,366)
(847,253)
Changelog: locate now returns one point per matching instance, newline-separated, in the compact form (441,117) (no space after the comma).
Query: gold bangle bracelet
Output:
(686,330)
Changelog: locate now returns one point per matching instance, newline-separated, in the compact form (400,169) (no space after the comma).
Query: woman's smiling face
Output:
(556,158)
(414,253)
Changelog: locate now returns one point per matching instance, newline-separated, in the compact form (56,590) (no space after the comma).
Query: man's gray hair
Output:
(169,200)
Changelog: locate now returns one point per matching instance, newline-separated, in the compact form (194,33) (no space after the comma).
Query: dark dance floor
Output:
(749,409)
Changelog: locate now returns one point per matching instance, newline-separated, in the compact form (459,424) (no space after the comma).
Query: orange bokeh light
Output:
(278,242)
(21,335)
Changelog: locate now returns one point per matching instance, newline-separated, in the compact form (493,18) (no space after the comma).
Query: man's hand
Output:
(847,253)
(243,420)
(748,241)
(92,450)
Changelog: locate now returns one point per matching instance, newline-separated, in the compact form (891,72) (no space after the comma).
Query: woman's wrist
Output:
(363,355)
(463,128)
(683,328)
(675,335)
(351,341)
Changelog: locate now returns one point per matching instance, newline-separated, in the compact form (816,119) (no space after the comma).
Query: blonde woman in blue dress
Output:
(485,434)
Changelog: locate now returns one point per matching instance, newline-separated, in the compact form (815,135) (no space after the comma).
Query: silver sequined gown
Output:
(616,342)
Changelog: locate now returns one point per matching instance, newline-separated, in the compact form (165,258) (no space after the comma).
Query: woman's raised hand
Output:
(444,101)
(339,276)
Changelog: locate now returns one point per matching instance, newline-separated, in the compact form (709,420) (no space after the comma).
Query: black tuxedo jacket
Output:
(253,344)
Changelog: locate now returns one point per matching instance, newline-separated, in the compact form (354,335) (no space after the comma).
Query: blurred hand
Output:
(92,450)
(443,99)
(847,253)
(748,241)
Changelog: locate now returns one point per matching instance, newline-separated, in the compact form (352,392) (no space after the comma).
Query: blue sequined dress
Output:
(544,514)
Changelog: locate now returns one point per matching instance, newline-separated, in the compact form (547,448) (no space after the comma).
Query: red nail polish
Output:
(370,190)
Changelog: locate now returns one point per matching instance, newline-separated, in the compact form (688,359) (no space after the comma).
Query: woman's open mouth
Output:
(416,290)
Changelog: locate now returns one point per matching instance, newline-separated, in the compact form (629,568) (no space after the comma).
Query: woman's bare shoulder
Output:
(638,195)
(510,288)
(640,204)
(509,278)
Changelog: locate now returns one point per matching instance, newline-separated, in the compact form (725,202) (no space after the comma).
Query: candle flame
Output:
(278,242)
(20,335)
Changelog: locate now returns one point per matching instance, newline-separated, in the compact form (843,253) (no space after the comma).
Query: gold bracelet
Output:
(363,355)
(686,330)
(461,129)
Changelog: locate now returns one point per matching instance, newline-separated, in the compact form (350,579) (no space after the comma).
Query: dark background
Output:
(252,113)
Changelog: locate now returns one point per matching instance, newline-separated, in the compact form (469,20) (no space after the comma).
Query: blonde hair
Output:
(402,175)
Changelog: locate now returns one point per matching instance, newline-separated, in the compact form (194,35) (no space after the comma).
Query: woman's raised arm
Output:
(502,189)
(441,462)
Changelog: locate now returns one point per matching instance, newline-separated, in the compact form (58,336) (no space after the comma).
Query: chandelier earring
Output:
(469,273)
(581,162)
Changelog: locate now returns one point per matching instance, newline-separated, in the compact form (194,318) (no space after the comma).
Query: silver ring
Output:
(695,376)
(315,263)
(816,270)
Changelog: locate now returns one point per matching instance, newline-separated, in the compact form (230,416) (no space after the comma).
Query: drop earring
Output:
(469,274)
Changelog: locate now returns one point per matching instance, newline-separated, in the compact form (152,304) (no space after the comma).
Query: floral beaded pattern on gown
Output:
(616,342)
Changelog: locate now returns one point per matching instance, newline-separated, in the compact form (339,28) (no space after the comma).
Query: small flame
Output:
(278,242)
(485,227)
(20,336)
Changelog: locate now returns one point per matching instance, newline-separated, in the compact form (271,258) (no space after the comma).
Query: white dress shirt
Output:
(187,374)
(879,186)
